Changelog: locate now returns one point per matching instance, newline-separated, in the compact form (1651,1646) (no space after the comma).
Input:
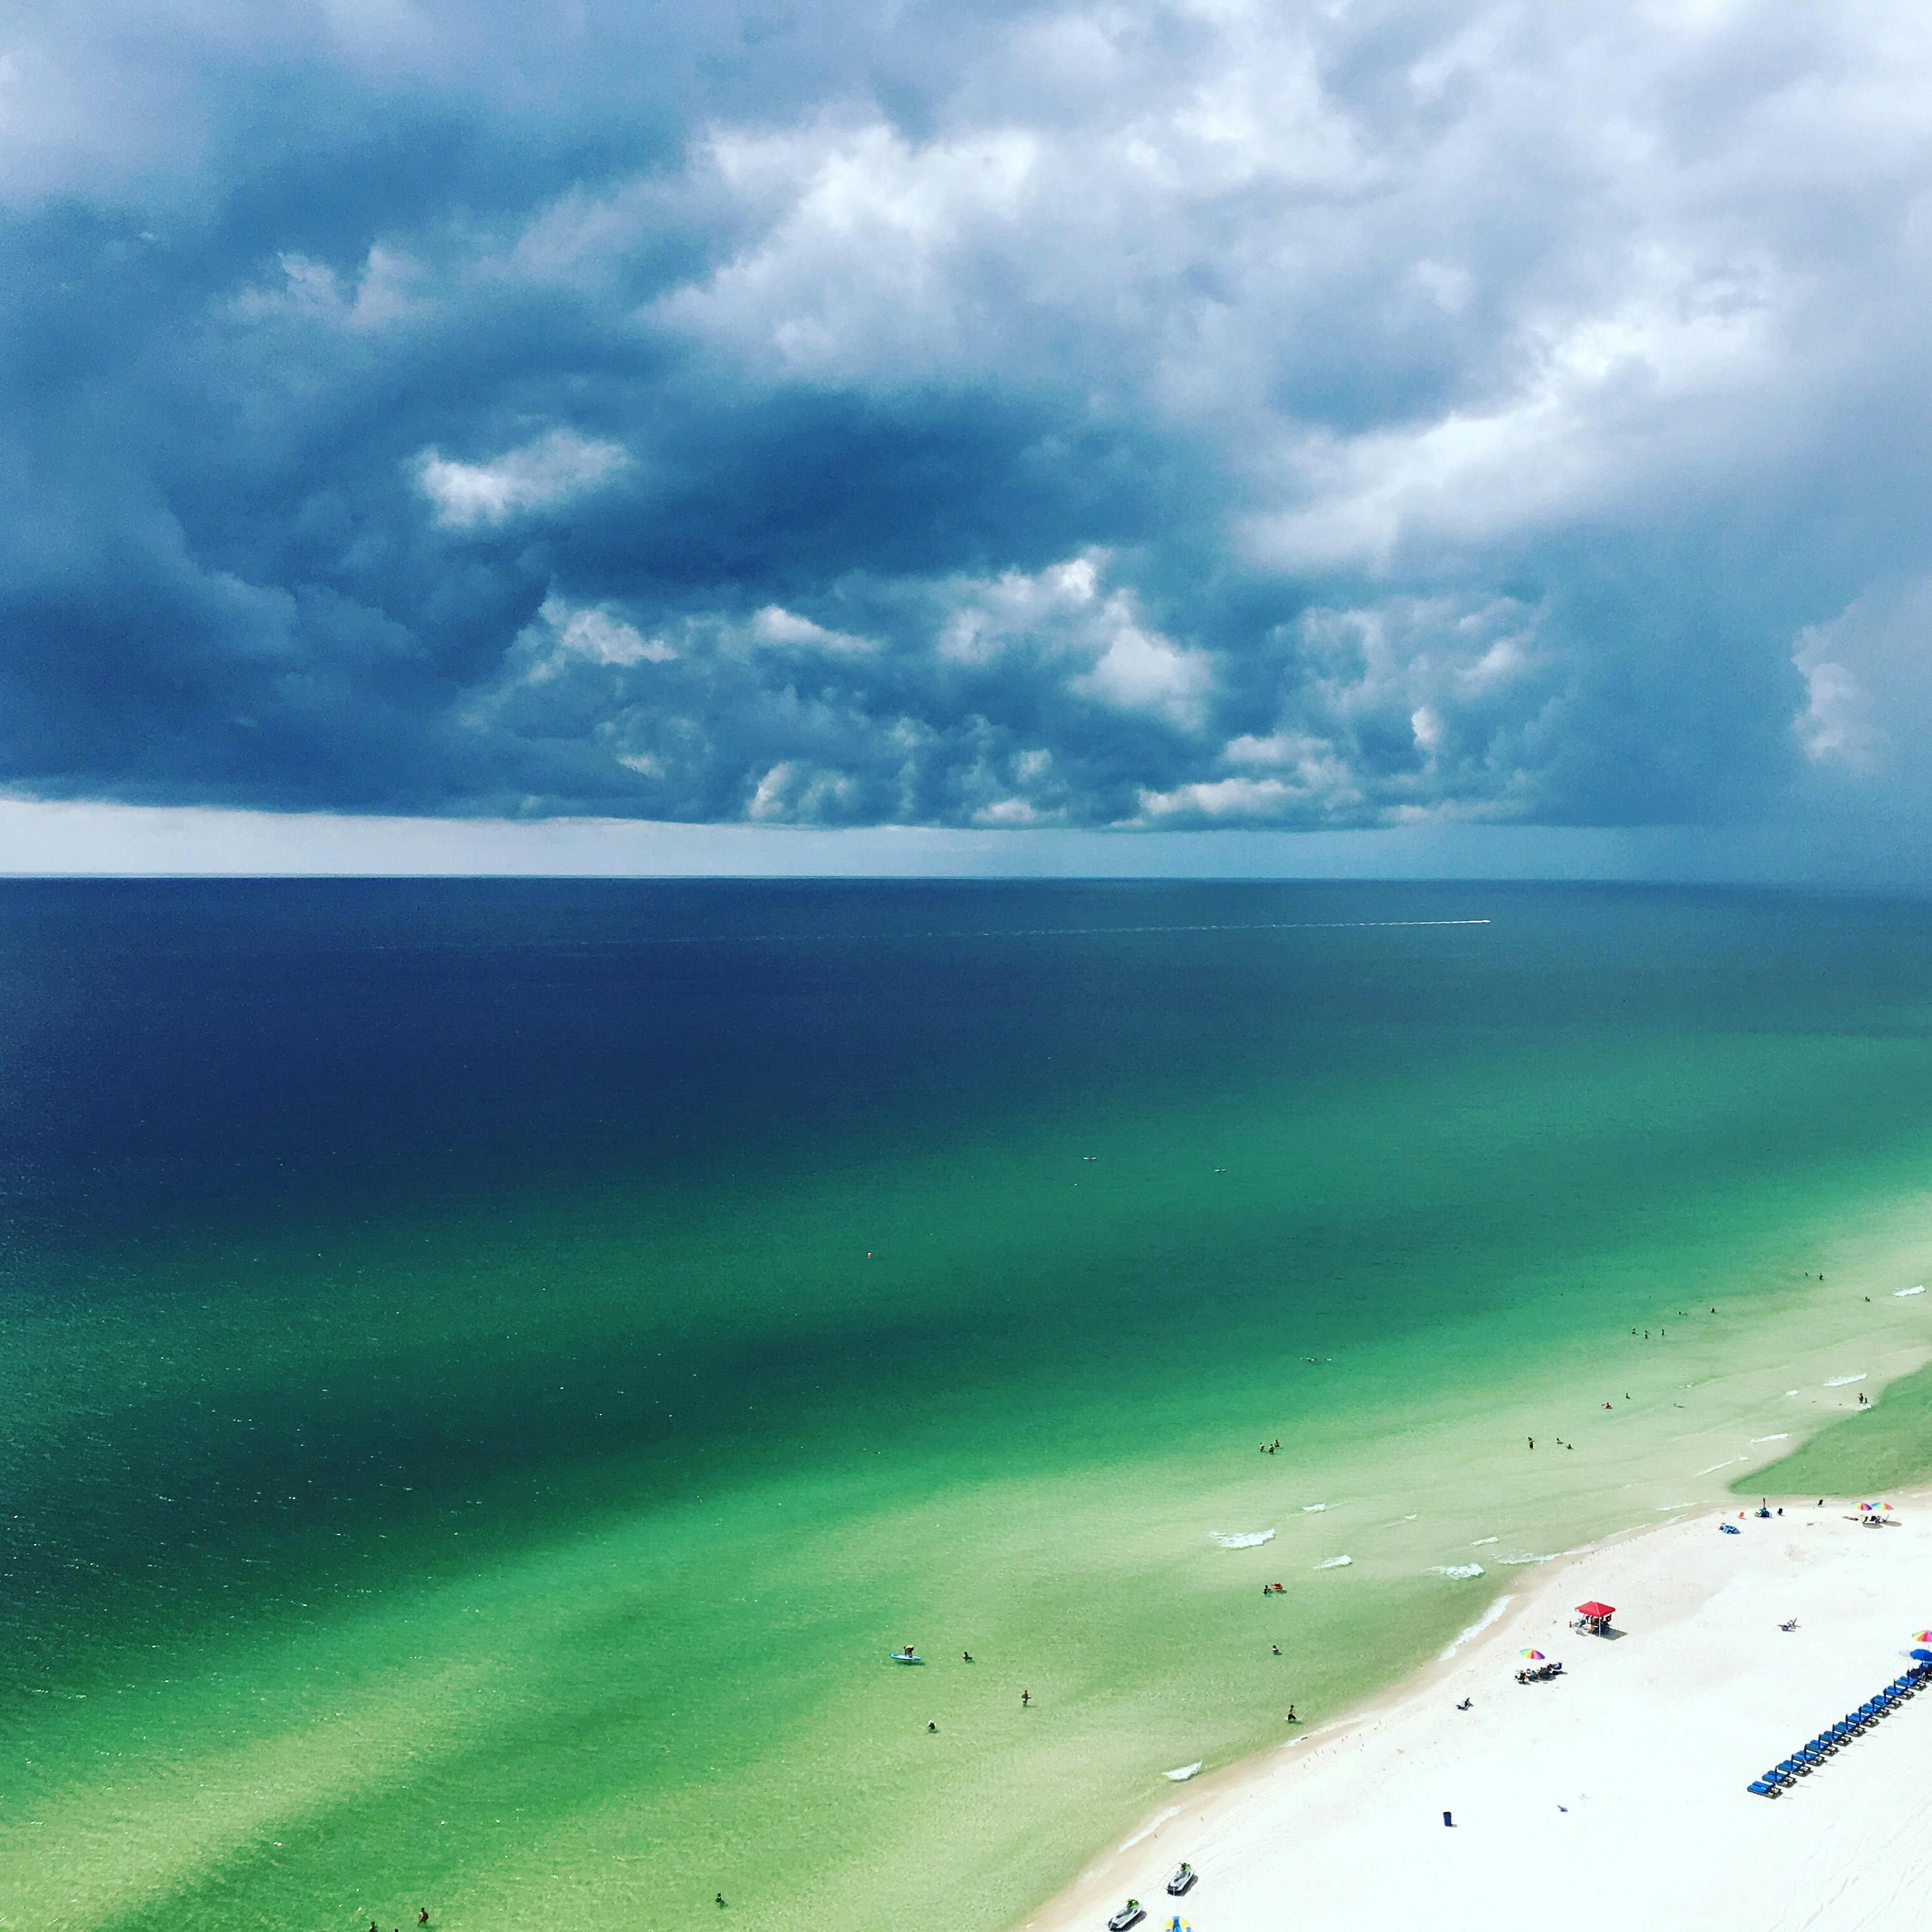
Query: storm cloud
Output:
(1171,417)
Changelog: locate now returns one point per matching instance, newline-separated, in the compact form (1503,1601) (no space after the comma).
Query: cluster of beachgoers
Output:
(1452,1801)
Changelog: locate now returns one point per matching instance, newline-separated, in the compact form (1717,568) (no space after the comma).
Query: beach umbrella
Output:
(1922,1636)
(1537,1653)
(1921,1656)
(1864,1506)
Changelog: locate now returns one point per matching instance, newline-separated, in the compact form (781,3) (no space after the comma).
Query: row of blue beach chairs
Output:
(1800,1763)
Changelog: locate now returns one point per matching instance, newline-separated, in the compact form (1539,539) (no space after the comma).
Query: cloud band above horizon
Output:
(1053,416)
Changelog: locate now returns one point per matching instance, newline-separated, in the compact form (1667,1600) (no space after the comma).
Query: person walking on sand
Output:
(1291,1717)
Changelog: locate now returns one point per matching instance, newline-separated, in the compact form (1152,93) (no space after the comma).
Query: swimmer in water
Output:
(1275,1648)
(930,1725)
(966,1656)
(1026,1698)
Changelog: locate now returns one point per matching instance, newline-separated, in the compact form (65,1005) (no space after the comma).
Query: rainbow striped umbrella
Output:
(1537,1653)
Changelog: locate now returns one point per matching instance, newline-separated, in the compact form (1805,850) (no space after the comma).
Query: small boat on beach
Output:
(1182,1880)
(1131,1913)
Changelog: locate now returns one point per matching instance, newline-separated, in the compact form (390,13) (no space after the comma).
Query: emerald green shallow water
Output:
(490,1370)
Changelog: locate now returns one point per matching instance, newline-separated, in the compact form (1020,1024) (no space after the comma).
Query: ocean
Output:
(491,1368)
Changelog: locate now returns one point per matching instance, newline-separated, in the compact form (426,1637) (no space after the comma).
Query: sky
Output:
(1217,437)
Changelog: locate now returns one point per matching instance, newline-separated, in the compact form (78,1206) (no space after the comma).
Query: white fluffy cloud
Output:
(540,476)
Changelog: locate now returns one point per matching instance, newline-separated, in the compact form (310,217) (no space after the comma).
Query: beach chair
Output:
(1762,1788)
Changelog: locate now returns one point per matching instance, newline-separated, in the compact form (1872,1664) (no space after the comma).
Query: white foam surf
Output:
(1241,1539)
(1308,1509)
(1481,1624)
(1186,1771)
(1456,1570)
(1481,1540)
(1336,1563)
(1898,1293)
(1844,1381)
(1153,1826)
(1514,1560)
(1783,1436)
(1725,1463)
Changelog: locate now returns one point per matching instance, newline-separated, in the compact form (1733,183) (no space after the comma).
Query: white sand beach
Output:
(1613,1797)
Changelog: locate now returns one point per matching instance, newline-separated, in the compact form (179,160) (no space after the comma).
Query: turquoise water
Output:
(490,1368)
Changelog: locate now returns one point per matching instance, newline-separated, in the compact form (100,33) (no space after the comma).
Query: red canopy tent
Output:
(1596,1616)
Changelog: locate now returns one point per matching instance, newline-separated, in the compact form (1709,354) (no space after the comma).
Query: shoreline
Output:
(1313,1822)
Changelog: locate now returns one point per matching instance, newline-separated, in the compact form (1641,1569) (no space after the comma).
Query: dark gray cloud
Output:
(1210,415)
